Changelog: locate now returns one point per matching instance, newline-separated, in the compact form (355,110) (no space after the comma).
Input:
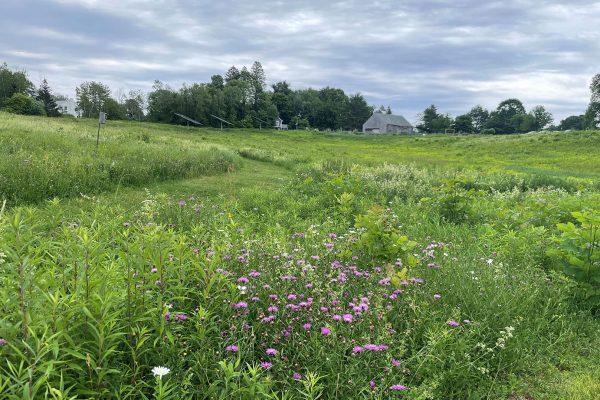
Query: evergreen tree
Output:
(45,96)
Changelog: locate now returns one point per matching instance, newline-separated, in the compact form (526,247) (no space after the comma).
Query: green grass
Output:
(83,314)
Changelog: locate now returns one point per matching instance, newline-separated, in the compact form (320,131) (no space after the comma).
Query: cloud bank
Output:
(407,54)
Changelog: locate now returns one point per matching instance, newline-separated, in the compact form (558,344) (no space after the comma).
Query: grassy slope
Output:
(565,155)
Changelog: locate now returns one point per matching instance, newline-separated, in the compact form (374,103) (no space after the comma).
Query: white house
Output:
(68,107)
(280,125)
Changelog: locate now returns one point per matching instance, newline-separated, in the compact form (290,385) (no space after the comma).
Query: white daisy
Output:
(160,371)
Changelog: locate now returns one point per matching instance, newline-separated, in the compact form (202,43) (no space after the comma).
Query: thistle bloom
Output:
(395,362)
(297,376)
(232,348)
(398,387)
(452,323)
(266,365)
(160,371)
(307,326)
(347,318)
(271,352)
(325,331)
(357,349)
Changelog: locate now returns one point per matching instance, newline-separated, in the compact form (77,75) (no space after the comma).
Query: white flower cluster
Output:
(505,334)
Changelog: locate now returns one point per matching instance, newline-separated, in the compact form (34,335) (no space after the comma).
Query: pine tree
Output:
(45,96)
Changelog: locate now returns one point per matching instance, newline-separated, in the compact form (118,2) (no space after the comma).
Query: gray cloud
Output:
(408,54)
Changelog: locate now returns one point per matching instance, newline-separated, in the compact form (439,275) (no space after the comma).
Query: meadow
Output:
(296,265)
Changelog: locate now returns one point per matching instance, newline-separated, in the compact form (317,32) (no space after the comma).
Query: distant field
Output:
(43,158)
(296,265)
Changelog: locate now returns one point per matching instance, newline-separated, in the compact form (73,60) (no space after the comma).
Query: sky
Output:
(406,54)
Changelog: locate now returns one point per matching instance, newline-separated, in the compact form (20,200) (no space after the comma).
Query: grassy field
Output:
(296,265)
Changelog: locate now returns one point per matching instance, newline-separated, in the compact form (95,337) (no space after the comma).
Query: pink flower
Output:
(297,376)
(232,348)
(347,318)
(271,352)
(243,279)
(307,326)
(266,365)
(241,304)
(398,387)
(325,331)
(336,317)
(357,349)
(395,363)
(452,323)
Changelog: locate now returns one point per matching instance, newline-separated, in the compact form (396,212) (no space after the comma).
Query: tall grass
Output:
(39,162)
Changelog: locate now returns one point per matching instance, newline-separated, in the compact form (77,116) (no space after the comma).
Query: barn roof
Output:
(390,119)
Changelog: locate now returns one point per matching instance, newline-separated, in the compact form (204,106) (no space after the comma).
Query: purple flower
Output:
(153,270)
(181,317)
(467,321)
(452,323)
(232,348)
(243,279)
(347,318)
(272,309)
(325,331)
(254,273)
(271,352)
(357,349)
(372,384)
(307,326)
(241,304)
(266,365)
(398,387)
(167,316)
(395,363)
(297,376)
(336,317)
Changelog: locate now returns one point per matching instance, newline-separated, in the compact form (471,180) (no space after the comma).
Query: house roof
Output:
(389,119)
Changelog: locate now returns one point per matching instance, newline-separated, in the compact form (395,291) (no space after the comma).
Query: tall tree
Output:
(479,117)
(464,124)
(541,117)
(232,74)
(592,114)
(12,82)
(508,117)
(45,96)
(91,97)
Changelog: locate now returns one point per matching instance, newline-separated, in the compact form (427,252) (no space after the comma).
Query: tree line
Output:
(242,97)
(510,116)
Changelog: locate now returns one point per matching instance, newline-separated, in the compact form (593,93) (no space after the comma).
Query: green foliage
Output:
(19,103)
(578,251)
(381,240)
(93,291)
(92,98)
(13,82)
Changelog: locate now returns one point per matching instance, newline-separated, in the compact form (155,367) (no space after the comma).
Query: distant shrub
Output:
(488,131)
(19,103)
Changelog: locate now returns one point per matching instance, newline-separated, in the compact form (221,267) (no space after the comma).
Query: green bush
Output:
(19,103)
(578,253)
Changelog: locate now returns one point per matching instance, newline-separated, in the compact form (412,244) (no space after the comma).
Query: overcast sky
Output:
(408,54)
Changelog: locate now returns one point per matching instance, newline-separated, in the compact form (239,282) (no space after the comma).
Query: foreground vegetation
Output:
(303,266)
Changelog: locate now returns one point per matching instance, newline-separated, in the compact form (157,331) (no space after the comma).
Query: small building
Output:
(280,125)
(387,123)
(68,107)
